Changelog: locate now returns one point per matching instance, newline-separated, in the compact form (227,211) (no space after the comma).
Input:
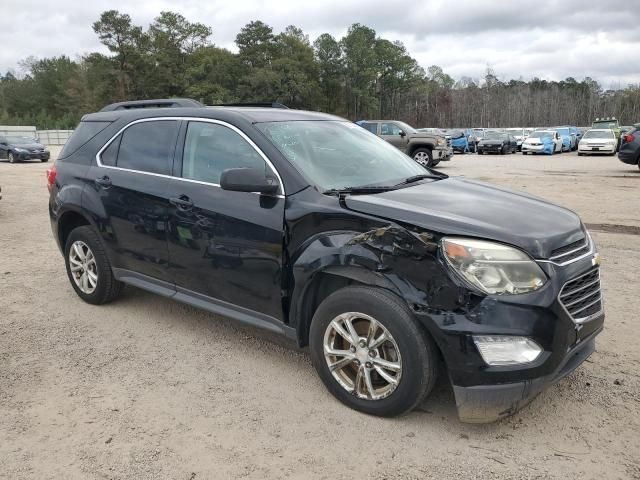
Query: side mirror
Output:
(248,180)
(402,134)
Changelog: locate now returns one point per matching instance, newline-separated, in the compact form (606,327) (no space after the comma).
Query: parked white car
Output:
(535,142)
(598,140)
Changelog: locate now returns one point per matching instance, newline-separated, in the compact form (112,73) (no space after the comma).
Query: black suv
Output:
(307,225)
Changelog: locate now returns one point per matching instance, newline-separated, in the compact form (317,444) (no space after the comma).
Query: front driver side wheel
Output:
(371,353)
(424,157)
(11,157)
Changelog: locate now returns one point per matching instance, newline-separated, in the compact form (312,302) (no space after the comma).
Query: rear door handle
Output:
(182,202)
(104,181)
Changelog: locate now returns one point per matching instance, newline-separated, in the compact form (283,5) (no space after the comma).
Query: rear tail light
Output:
(51,177)
(628,138)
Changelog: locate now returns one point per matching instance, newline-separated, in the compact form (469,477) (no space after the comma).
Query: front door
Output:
(224,245)
(392,133)
(131,182)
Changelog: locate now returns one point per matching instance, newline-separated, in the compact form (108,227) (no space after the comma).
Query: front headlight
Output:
(21,150)
(492,267)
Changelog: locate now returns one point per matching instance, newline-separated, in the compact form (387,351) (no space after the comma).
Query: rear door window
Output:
(145,147)
(372,127)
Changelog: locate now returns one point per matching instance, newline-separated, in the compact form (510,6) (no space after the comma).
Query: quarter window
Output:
(144,146)
(110,154)
(210,149)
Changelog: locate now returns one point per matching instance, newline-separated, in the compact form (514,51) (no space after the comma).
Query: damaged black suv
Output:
(307,225)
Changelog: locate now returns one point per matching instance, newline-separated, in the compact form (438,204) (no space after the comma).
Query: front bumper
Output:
(33,155)
(486,393)
(442,154)
(602,149)
(490,148)
(527,148)
(489,403)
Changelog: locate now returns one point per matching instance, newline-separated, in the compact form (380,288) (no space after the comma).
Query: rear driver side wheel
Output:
(88,267)
(370,352)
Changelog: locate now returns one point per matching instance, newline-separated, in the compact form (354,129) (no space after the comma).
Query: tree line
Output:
(358,76)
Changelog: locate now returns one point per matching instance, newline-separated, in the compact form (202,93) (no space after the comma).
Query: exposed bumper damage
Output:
(489,403)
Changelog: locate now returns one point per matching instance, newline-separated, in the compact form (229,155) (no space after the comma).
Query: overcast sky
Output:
(549,39)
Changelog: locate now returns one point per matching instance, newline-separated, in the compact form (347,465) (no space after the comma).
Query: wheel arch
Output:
(383,257)
(416,146)
(324,283)
(68,221)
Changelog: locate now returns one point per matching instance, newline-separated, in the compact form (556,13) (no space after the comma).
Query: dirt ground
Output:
(149,388)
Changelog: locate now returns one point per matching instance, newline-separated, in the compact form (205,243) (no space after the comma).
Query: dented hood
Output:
(457,206)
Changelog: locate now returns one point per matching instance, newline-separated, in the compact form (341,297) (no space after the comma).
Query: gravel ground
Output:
(149,388)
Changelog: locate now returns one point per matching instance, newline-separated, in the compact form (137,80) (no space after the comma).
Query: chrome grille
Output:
(571,251)
(581,296)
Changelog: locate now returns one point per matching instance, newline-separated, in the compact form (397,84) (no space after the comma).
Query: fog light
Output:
(506,350)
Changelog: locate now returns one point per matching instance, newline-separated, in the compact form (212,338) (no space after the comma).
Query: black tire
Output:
(44,160)
(429,154)
(11,157)
(502,150)
(417,350)
(107,287)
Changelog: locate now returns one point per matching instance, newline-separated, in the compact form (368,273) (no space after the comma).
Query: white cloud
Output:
(549,39)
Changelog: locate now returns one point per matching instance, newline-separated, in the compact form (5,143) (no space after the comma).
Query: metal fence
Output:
(17,131)
(46,137)
(54,137)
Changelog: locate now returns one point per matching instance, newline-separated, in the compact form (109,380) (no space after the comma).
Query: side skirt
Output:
(213,305)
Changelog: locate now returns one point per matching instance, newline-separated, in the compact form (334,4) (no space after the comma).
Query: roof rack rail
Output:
(157,103)
(252,104)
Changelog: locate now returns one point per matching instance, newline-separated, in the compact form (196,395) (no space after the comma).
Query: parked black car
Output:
(630,146)
(497,142)
(307,225)
(18,149)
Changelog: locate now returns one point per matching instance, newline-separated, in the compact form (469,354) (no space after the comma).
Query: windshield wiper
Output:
(356,190)
(417,178)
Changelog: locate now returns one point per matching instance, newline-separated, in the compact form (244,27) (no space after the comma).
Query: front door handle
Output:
(182,202)
(104,181)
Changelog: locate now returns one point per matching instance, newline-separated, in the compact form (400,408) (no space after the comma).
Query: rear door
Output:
(226,246)
(130,182)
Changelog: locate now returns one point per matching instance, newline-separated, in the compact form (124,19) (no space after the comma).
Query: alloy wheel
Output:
(83,266)
(422,158)
(362,356)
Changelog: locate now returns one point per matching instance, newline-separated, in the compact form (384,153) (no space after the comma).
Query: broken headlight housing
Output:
(492,267)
